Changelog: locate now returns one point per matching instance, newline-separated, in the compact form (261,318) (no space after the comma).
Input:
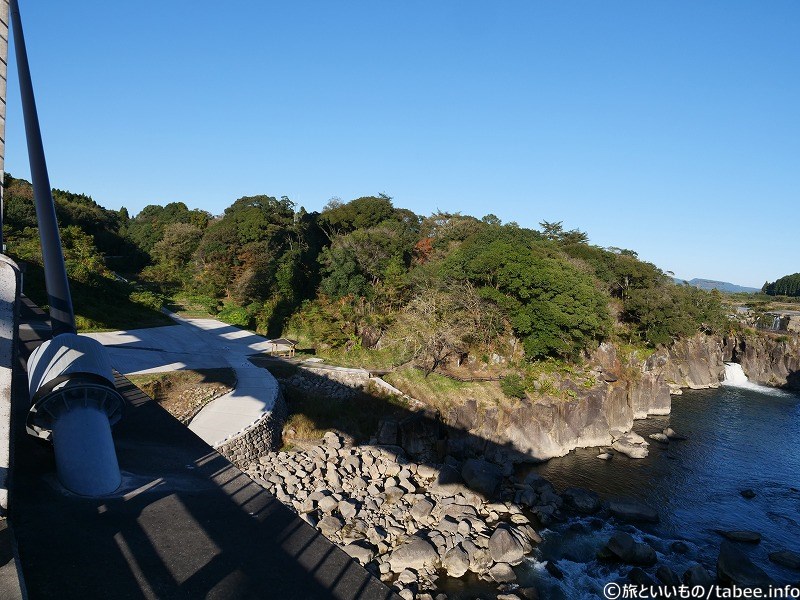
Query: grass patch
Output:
(193,307)
(184,393)
(362,358)
(439,391)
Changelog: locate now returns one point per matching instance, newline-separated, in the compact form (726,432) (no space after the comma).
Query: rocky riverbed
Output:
(416,525)
(411,523)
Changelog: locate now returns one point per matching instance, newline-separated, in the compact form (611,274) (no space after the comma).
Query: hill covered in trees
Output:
(789,285)
(366,274)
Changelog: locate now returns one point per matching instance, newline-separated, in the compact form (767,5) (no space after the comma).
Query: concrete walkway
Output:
(201,344)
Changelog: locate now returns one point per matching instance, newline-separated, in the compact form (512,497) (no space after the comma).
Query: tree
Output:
(445,321)
(361,213)
(789,285)
(555,308)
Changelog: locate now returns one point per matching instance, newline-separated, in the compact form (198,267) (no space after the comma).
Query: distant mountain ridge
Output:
(722,286)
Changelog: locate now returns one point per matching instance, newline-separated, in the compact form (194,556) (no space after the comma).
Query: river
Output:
(739,436)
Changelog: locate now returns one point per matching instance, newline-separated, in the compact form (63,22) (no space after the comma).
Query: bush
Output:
(513,386)
(235,315)
(148,299)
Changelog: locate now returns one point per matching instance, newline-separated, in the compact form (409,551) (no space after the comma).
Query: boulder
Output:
(605,456)
(422,509)
(734,567)
(537,483)
(482,477)
(628,509)
(631,445)
(332,440)
(361,551)
(748,493)
(387,433)
(638,577)
(667,576)
(552,568)
(659,437)
(786,558)
(748,537)
(456,562)
(502,573)
(629,551)
(427,471)
(448,482)
(326,503)
(348,509)
(418,435)
(670,433)
(393,494)
(506,547)
(582,501)
(696,575)
(415,553)
(329,525)
(679,547)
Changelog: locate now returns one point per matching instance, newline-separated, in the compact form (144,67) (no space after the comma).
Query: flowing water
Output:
(740,436)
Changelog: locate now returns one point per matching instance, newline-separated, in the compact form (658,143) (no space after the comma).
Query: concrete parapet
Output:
(9,302)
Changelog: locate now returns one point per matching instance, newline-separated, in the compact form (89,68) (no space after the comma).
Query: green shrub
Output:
(513,386)
(148,299)
(235,315)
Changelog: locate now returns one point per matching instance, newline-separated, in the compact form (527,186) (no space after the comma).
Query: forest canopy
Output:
(369,274)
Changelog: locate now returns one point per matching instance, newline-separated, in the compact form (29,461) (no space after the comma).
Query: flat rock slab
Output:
(633,511)
(748,537)
(786,558)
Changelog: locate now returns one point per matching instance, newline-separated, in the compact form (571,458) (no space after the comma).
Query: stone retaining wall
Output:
(333,382)
(261,438)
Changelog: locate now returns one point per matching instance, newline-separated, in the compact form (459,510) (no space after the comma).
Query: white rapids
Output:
(735,377)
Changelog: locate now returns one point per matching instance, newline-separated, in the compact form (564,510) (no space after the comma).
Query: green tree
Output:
(555,308)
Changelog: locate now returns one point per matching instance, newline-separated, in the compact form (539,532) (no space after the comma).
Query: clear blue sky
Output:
(671,128)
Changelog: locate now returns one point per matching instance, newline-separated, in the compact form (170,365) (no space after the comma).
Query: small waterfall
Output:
(735,377)
(776,324)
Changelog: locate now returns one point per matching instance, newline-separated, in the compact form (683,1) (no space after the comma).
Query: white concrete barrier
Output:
(9,301)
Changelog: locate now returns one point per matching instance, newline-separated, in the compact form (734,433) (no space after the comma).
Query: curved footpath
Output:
(201,344)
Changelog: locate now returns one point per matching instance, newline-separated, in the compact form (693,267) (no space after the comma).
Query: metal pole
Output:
(62,317)
(3,85)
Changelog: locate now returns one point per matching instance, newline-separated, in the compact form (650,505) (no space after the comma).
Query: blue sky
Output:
(671,128)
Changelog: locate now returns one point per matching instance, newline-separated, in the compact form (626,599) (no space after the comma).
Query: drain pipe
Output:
(71,384)
(74,404)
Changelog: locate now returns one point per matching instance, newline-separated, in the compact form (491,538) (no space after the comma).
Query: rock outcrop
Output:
(768,359)
(535,429)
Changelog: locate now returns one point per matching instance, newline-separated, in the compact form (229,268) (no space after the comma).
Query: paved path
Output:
(201,344)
